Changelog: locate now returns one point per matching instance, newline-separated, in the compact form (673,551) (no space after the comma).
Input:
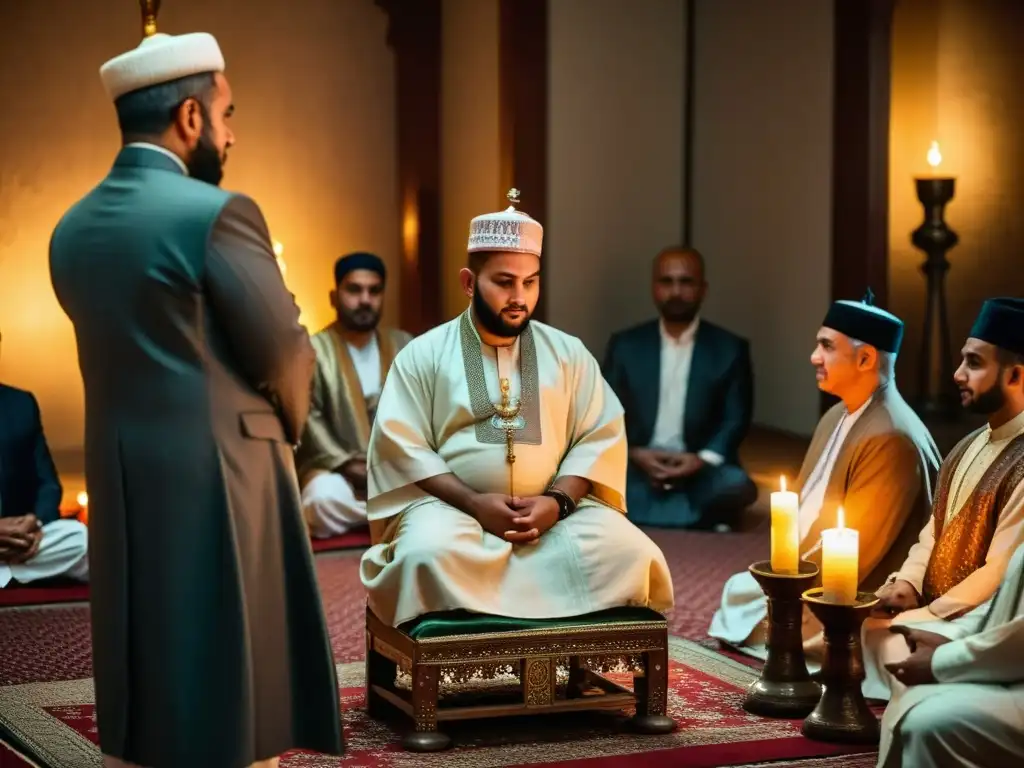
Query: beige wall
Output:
(314,88)
(615,183)
(957,69)
(762,187)
(470,152)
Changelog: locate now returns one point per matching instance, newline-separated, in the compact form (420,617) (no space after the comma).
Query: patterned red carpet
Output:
(45,667)
(45,644)
(55,722)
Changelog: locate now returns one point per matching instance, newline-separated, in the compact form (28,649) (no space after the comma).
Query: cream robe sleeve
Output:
(403,447)
(990,656)
(596,431)
(914,567)
(983,583)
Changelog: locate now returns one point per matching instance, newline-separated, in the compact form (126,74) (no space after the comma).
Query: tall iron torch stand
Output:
(936,393)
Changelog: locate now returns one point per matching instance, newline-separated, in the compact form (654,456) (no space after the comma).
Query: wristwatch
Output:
(566,505)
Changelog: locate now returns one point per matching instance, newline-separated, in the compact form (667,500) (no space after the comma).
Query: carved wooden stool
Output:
(462,645)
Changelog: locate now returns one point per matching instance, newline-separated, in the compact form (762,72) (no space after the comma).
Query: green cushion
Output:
(449,623)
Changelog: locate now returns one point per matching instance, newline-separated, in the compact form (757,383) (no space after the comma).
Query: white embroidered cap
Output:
(161,58)
(508,230)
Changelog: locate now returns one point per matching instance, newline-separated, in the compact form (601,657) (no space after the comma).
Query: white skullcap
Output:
(508,230)
(159,59)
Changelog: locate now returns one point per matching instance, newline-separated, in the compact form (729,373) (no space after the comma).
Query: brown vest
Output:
(962,546)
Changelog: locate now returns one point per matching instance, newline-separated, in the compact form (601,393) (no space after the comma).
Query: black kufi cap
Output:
(359,260)
(863,321)
(1001,322)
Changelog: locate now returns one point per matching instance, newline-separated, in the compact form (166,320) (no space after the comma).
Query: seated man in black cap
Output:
(353,357)
(978,518)
(870,455)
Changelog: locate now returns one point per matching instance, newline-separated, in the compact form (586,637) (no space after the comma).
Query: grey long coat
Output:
(210,647)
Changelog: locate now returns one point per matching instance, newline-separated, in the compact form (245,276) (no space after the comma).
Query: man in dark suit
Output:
(34,542)
(687,389)
(210,646)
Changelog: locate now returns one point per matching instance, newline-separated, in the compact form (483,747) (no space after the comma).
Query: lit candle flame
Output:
(83,499)
(841,519)
(279,249)
(782,482)
(934,155)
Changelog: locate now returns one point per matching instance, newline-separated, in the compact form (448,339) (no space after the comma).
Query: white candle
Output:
(785,546)
(840,549)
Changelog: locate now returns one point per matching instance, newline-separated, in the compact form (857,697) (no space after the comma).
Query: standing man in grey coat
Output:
(210,647)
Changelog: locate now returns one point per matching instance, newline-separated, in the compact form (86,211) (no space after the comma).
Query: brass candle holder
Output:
(842,715)
(784,688)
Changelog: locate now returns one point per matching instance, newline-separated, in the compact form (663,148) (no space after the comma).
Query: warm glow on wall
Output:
(410,230)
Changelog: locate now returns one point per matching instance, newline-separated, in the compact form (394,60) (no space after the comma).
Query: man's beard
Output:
(988,402)
(206,163)
(679,311)
(360,319)
(492,321)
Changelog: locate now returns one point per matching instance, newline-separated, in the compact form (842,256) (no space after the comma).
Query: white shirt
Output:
(161,150)
(676,357)
(812,495)
(366,361)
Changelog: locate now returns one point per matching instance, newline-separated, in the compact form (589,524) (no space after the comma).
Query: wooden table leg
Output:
(425,737)
(651,690)
(380,671)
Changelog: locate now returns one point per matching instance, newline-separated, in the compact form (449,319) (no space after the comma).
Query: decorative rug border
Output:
(47,740)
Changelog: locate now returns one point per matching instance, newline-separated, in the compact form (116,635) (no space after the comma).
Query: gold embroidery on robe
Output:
(487,431)
(362,411)
(962,546)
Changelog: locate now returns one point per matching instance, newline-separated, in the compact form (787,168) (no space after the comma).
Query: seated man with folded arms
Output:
(870,455)
(35,543)
(978,518)
(498,461)
(686,386)
(353,357)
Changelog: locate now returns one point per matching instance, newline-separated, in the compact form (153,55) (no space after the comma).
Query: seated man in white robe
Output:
(497,462)
(978,519)
(35,543)
(353,357)
(960,702)
(870,455)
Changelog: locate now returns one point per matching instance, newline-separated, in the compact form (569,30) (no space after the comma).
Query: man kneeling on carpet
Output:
(34,542)
(353,357)
(497,461)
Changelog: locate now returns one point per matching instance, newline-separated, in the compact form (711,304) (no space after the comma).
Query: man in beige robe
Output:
(353,356)
(870,455)
(497,462)
(977,666)
(978,519)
